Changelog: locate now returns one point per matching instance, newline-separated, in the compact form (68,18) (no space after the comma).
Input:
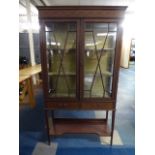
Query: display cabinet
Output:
(80,54)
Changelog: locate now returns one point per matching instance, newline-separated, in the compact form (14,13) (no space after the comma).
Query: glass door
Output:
(61,48)
(99,53)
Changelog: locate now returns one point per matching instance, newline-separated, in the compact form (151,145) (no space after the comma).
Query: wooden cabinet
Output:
(80,54)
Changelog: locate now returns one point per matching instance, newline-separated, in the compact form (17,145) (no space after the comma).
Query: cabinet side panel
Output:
(43,58)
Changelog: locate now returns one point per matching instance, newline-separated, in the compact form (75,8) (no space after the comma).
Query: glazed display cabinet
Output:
(80,54)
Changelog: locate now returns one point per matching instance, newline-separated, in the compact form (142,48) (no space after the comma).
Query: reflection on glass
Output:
(100,39)
(61,56)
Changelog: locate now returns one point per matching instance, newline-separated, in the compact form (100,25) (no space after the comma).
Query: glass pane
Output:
(112,27)
(61,58)
(100,41)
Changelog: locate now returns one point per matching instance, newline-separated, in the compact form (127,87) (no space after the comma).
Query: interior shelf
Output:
(105,49)
(86,49)
(93,31)
(96,126)
(63,95)
(106,73)
(67,31)
(67,74)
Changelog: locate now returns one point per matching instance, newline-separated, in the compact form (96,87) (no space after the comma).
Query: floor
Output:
(32,136)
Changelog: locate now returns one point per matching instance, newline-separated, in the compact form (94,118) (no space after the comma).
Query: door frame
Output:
(44,60)
(116,59)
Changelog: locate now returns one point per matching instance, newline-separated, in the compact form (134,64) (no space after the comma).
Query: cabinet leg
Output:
(52,121)
(107,115)
(47,126)
(112,127)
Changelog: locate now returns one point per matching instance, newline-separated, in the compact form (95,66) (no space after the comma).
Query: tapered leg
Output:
(112,127)
(107,115)
(47,126)
(53,123)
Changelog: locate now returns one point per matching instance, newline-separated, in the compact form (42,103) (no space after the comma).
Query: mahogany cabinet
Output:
(80,56)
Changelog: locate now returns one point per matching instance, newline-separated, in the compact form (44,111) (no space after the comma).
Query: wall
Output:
(24,46)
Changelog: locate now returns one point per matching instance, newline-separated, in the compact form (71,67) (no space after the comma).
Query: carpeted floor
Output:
(97,151)
(32,136)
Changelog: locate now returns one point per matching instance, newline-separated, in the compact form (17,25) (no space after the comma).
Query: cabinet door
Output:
(61,58)
(99,53)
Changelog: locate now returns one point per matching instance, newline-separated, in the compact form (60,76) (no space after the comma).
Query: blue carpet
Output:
(32,119)
(77,140)
(86,144)
(97,151)
(27,142)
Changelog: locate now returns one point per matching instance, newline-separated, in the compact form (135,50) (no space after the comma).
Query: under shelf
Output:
(80,126)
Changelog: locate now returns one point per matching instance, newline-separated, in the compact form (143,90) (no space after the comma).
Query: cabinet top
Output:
(82,7)
(81,11)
